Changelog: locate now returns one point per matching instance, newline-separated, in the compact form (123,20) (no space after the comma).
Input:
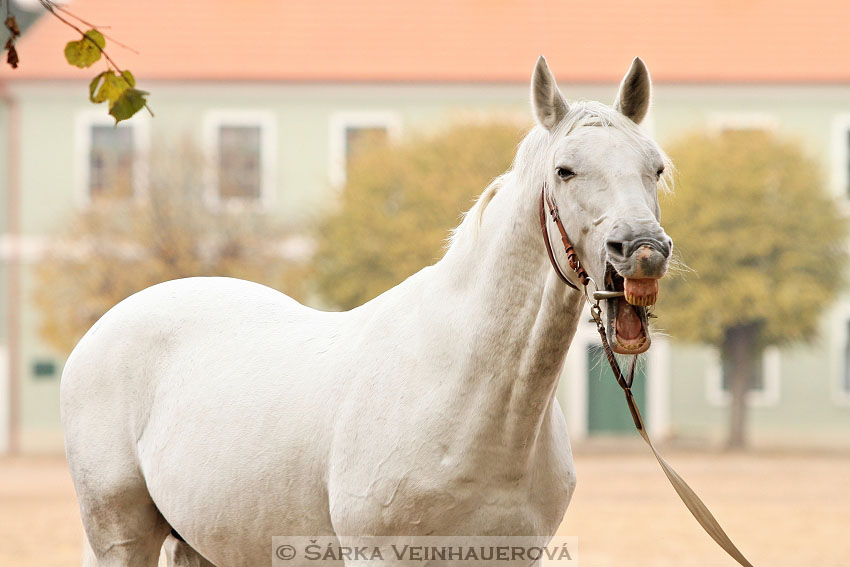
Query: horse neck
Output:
(517,317)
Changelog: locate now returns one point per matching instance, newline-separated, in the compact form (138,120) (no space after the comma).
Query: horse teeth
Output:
(641,292)
(635,346)
(641,300)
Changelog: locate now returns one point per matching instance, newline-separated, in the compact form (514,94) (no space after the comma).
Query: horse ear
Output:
(635,90)
(548,102)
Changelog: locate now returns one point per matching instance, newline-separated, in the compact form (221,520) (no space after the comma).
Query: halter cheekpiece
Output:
(572,255)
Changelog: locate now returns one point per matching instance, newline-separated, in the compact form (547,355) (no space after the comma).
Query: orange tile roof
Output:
(456,40)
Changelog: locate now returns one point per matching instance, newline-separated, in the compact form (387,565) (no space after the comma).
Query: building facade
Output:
(280,130)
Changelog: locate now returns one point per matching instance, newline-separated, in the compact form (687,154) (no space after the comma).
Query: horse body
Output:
(265,433)
(230,413)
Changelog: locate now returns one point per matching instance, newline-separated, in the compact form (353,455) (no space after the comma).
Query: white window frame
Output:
(339,124)
(265,121)
(839,327)
(721,121)
(840,150)
(83,123)
(767,396)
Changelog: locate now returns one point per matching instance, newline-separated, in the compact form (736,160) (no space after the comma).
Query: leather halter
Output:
(693,502)
(572,256)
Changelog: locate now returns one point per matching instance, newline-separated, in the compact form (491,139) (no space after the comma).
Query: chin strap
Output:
(696,506)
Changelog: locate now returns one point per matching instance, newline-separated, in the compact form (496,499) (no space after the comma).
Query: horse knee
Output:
(136,553)
(123,529)
(180,554)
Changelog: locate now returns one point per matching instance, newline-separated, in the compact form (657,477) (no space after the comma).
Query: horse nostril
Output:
(660,246)
(664,246)
(616,249)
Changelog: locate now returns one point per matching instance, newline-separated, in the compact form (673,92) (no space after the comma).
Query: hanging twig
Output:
(54,9)
(49,6)
(91,25)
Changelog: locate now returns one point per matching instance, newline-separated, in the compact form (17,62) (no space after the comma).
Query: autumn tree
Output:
(751,218)
(173,229)
(398,204)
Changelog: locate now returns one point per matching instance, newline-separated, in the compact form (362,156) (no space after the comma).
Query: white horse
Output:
(228,413)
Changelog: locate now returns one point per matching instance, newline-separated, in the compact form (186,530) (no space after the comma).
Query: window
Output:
(845,375)
(847,162)
(110,158)
(764,382)
(838,337)
(841,155)
(239,172)
(44,369)
(756,380)
(353,133)
(111,162)
(359,140)
(240,151)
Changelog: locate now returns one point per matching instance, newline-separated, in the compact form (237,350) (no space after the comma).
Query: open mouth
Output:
(627,318)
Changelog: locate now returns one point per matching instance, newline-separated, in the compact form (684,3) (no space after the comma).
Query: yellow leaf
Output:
(85,52)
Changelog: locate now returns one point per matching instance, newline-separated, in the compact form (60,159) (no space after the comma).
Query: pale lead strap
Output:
(696,506)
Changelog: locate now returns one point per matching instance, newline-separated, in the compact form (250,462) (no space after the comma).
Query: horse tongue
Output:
(641,292)
(628,322)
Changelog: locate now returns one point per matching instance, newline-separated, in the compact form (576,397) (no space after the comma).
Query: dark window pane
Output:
(44,369)
(756,378)
(111,162)
(239,167)
(359,140)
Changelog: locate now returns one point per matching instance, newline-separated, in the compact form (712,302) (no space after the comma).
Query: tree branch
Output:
(52,8)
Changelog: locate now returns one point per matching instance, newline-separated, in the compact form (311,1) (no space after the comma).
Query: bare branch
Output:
(93,26)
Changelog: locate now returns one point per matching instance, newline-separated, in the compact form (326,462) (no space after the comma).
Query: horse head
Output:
(603,174)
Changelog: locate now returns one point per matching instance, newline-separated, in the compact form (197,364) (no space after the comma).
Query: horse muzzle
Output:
(640,258)
(631,285)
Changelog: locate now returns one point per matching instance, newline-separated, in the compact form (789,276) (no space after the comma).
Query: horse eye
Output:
(564,173)
(660,171)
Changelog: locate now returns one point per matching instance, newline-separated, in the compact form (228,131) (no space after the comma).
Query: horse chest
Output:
(436,487)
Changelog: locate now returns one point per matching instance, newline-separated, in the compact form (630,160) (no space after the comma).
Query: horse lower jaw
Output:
(627,327)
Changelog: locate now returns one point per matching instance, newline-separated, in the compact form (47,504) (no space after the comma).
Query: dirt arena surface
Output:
(781,510)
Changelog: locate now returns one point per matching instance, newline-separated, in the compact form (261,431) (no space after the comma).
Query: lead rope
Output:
(693,502)
(696,506)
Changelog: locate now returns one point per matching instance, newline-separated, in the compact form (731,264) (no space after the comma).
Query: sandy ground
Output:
(781,510)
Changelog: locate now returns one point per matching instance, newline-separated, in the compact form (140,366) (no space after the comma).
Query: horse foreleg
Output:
(179,554)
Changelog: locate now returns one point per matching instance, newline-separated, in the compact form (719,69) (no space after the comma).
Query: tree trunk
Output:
(739,353)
